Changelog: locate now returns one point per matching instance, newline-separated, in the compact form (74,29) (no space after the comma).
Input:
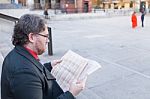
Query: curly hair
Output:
(28,23)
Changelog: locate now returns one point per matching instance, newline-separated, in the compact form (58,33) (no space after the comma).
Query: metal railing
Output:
(10,18)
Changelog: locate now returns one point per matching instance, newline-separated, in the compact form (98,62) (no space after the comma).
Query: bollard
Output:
(50,49)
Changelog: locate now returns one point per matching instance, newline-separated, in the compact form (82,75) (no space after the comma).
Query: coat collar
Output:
(22,51)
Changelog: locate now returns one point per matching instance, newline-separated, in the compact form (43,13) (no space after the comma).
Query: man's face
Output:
(41,41)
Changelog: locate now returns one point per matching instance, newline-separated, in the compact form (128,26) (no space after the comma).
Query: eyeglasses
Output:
(47,36)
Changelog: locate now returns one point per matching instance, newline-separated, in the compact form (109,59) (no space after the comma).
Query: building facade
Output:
(8,1)
(126,4)
(72,6)
(77,6)
(69,6)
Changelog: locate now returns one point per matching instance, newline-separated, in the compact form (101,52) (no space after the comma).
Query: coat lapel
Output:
(22,51)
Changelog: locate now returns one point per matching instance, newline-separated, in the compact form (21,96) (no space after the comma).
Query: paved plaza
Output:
(123,52)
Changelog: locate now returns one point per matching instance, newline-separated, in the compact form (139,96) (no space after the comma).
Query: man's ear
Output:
(31,37)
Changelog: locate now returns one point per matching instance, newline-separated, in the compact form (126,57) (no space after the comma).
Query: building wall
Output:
(112,4)
(90,6)
(23,2)
(5,1)
(79,5)
(53,4)
(94,3)
(76,6)
(127,5)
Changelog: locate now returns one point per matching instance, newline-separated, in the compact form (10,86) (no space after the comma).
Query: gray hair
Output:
(28,23)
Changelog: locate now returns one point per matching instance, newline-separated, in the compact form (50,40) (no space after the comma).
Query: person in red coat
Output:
(134,20)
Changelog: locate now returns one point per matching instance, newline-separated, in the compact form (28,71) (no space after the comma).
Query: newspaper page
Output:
(73,67)
(90,68)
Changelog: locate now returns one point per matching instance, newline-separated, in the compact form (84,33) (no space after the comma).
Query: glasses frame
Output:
(46,36)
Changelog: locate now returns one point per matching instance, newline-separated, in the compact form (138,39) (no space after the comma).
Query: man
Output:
(46,13)
(23,76)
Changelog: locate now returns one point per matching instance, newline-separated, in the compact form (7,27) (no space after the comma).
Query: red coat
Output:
(134,21)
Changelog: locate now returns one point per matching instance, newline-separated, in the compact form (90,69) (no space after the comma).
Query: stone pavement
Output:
(123,52)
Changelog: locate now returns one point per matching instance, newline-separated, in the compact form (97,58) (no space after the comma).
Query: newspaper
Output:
(73,67)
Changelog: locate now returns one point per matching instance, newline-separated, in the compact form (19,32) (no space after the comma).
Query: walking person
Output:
(134,20)
(142,17)
(46,13)
(23,76)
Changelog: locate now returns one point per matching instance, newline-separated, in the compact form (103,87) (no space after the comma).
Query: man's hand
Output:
(55,62)
(77,87)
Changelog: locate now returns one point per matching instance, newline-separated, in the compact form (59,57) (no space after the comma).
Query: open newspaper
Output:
(73,67)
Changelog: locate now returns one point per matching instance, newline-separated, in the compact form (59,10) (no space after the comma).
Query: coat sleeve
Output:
(66,95)
(48,66)
(26,85)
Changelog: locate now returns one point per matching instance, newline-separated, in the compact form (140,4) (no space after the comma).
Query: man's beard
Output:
(40,48)
(40,52)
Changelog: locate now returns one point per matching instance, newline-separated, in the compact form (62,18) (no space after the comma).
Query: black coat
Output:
(45,12)
(142,16)
(23,77)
